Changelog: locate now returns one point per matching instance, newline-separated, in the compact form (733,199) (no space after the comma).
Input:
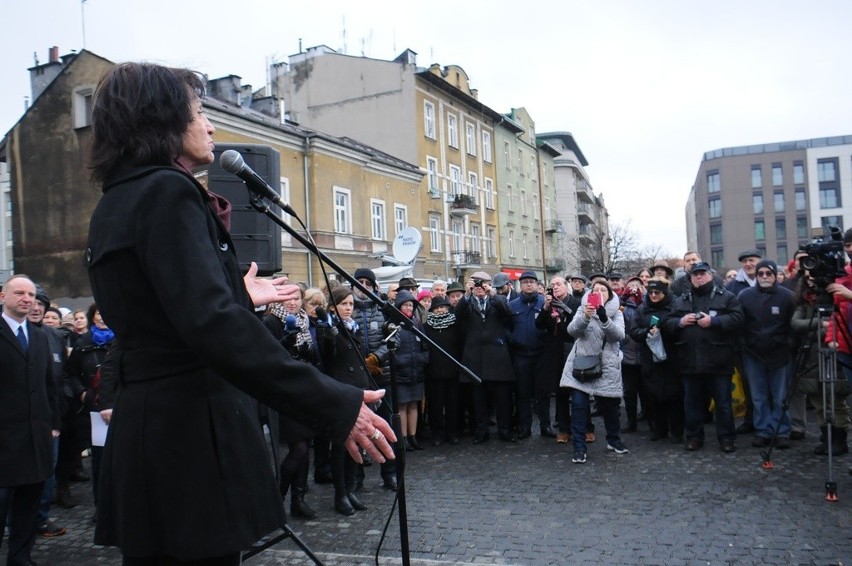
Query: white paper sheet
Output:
(99,429)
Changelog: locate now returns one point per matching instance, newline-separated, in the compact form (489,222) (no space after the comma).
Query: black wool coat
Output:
(27,408)
(486,342)
(185,470)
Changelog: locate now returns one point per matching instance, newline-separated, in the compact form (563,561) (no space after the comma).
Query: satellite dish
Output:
(407,245)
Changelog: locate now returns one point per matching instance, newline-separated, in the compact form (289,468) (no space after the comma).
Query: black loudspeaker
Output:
(256,237)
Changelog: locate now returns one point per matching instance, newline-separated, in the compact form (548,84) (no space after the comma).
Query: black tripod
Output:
(827,369)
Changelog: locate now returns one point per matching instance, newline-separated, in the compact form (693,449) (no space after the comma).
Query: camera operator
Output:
(837,335)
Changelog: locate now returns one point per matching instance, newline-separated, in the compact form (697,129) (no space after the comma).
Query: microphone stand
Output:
(393,315)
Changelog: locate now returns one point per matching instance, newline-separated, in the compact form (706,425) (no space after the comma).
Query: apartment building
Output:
(768,196)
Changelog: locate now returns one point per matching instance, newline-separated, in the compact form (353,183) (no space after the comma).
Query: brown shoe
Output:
(590,437)
(51,529)
(562,438)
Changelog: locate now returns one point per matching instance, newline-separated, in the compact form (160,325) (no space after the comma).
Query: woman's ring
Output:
(376,435)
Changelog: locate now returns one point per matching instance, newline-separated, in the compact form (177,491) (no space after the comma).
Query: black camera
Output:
(549,291)
(477,282)
(826,259)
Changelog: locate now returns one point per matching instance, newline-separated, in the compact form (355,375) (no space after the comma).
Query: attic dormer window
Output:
(81,105)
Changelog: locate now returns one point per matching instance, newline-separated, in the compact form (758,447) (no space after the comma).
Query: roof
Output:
(567,139)
(797,145)
(443,85)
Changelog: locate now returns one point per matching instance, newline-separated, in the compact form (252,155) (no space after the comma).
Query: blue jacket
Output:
(527,340)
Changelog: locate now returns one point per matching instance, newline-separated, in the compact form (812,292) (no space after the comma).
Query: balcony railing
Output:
(466,258)
(463,204)
(554,264)
(553,225)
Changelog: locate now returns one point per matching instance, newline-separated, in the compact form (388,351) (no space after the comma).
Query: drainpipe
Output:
(306,173)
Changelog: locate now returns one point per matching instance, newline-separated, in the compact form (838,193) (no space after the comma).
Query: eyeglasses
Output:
(765,273)
(655,292)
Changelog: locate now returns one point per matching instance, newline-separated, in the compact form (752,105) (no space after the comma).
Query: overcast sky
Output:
(646,87)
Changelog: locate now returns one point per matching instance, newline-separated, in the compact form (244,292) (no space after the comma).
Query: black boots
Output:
(298,507)
(64,498)
(839,445)
(412,443)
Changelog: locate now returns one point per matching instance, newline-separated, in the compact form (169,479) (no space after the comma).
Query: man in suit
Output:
(29,417)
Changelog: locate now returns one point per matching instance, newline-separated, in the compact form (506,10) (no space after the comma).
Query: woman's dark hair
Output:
(90,314)
(339,293)
(139,114)
(609,292)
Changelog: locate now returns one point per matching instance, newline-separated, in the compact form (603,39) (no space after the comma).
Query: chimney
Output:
(42,75)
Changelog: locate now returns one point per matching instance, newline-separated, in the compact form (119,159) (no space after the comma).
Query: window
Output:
(523,203)
(429,120)
(472,182)
(520,162)
(455,180)
(475,238)
(802,228)
(716,234)
(457,235)
(432,173)
(377,219)
(759,230)
(717,257)
(779,201)
(780,229)
(713,185)
(507,154)
(453,130)
(756,177)
(826,170)
(81,105)
(471,139)
(434,232)
(537,247)
(715,205)
(547,214)
(524,244)
(801,202)
(400,218)
(535,206)
(832,221)
(489,193)
(510,195)
(777,175)
(491,242)
(342,211)
(798,173)
(511,243)
(284,191)
(486,147)
(781,256)
(757,203)
(533,167)
(829,197)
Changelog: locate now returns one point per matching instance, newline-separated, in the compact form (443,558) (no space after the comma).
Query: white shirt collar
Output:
(14,325)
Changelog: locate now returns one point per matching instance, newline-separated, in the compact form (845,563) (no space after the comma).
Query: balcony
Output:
(463,205)
(584,191)
(466,259)
(551,226)
(553,264)
(584,209)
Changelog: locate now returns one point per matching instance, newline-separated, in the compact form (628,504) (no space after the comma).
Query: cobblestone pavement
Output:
(526,503)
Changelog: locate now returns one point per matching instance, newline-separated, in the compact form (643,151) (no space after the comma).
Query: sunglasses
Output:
(764,273)
(655,292)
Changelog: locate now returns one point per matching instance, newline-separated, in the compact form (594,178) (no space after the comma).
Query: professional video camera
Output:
(826,259)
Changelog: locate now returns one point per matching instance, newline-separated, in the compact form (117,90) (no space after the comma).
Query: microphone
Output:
(291,324)
(232,162)
(391,327)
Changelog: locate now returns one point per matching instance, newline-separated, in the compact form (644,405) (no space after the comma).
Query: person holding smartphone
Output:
(597,329)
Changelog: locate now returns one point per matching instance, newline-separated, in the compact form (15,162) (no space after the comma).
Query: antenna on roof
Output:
(83,20)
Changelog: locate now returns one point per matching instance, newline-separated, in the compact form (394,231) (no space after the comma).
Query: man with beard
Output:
(768,308)
(527,346)
(705,324)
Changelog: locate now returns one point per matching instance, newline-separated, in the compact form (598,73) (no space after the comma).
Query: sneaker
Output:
(579,457)
(562,438)
(51,529)
(618,447)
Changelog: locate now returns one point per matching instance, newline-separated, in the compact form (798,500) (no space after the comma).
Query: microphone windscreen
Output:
(321,314)
(291,322)
(231,161)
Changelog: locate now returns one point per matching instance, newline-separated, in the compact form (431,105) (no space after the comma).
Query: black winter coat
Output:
(705,350)
(486,345)
(767,334)
(342,358)
(661,379)
(441,368)
(80,371)
(27,408)
(183,471)
(412,356)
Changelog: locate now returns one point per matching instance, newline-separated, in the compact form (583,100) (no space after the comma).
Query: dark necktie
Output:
(482,305)
(22,338)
